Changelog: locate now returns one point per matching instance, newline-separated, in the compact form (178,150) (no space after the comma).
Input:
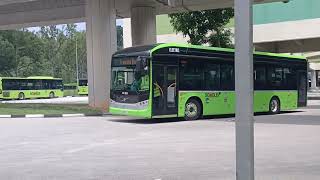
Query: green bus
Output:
(30,87)
(173,80)
(83,87)
(70,89)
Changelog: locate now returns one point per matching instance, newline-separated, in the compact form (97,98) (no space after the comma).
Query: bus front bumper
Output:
(143,113)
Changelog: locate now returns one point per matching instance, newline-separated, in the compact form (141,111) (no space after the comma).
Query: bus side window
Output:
(212,77)
(260,77)
(275,77)
(191,75)
(289,78)
(227,77)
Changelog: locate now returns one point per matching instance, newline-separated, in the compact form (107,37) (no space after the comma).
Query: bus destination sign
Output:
(128,61)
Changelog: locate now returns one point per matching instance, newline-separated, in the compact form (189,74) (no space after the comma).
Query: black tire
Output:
(274,106)
(51,95)
(193,110)
(21,96)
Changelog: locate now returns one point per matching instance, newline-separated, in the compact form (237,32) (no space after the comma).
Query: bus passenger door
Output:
(165,90)
(302,88)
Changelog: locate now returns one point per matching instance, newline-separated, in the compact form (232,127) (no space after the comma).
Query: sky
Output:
(80,26)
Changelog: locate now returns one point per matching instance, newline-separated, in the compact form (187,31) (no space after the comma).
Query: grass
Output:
(47,109)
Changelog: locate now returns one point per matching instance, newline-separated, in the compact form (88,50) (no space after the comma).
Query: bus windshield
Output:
(130,75)
(129,80)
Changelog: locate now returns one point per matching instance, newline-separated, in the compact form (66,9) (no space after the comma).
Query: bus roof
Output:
(33,77)
(148,50)
(188,46)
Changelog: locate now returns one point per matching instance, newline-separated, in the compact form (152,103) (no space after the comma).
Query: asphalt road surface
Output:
(287,147)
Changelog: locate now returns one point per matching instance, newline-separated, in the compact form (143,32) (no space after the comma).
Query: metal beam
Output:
(244,90)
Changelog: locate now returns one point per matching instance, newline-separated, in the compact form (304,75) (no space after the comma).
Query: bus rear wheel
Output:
(274,106)
(51,95)
(21,96)
(193,110)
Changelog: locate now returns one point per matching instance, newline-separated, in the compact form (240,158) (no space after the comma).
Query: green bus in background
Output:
(83,87)
(172,80)
(70,89)
(30,87)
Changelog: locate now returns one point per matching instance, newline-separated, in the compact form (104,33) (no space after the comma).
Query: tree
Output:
(205,27)
(27,52)
(53,39)
(119,37)
(6,57)
(51,51)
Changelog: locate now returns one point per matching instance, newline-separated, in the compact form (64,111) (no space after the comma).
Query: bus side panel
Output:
(12,94)
(83,90)
(70,92)
(288,100)
(30,94)
(223,102)
(214,102)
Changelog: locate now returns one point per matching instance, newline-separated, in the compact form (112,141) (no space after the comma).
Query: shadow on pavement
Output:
(266,118)
(149,121)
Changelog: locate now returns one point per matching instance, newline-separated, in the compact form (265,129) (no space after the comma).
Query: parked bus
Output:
(83,87)
(31,87)
(70,89)
(171,80)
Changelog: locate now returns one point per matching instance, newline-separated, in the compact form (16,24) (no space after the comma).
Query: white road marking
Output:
(34,116)
(72,115)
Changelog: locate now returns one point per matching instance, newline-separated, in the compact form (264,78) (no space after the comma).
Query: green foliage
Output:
(119,37)
(205,27)
(6,57)
(51,51)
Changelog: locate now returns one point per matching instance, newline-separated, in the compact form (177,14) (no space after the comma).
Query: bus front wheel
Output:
(51,95)
(274,106)
(193,109)
(21,96)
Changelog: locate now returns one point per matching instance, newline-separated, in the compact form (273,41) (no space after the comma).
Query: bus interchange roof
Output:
(185,49)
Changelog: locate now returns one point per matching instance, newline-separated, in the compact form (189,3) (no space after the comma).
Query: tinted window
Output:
(69,87)
(191,75)
(227,77)
(260,77)
(289,79)
(212,77)
(274,77)
(83,82)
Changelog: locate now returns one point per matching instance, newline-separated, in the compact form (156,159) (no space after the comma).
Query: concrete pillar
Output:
(143,26)
(313,79)
(101,44)
(244,90)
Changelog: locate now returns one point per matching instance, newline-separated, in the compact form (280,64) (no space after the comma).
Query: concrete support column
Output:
(143,26)
(244,90)
(313,79)
(101,44)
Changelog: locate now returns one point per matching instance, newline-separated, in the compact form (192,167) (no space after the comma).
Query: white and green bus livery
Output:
(173,80)
(30,87)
